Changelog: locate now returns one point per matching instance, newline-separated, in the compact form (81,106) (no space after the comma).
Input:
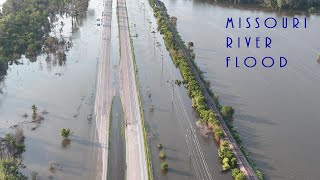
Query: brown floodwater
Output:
(66,91)
(277,110)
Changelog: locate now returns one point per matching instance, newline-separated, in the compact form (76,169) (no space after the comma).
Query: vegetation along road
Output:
(243,164)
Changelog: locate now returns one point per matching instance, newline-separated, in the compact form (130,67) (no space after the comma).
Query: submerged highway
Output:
(135,146)
(104,94)
(136,164)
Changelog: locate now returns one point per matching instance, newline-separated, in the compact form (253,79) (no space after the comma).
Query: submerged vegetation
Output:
(65,133)
(11,148)
(9,169)
(25,26)
(164,166)
(196,92)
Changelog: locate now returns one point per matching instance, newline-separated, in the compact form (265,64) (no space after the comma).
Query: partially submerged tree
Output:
(65,133)
(34,110)
(164,166)
(173,21)
(227,112)
(162,154)
(9,169)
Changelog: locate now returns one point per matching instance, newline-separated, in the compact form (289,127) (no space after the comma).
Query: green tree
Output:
(164,166)
(65,133)
(218,134)
(227,112)
(238,175)
(225,164)
(9,170)
(162,154)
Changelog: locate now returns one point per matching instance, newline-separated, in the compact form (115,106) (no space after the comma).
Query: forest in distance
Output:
(25,26)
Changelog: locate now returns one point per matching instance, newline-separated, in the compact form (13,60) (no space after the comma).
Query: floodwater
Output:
(117,160)
(169,116)
(277,110)
(66,91)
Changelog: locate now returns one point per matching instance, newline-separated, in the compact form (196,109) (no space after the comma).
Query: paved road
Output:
(242,161)
(104,93)
(135,147)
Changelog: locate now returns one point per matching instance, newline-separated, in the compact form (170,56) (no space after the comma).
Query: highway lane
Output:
(103,96)
(135,147)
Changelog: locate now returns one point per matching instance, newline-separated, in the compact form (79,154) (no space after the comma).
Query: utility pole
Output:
(172,88)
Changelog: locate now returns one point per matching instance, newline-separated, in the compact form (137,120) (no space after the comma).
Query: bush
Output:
(227,112)
(162,155)
(218,134)
(164,166)
(312,10)
(9,169)
(238,175)
(65,133)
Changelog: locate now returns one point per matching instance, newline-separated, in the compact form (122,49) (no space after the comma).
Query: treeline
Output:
(281,4)
(26,24)
(207,115)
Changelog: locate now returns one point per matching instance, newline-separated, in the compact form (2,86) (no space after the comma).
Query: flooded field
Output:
(64,91)
(276,109)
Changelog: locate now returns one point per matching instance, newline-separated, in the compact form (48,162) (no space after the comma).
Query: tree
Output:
(233,162)
(34,109)
(218,134)
(9,170)
(238,175)
(227,112)
(235,172)
(162,154)
(65,133)
(225,164)
(164,166)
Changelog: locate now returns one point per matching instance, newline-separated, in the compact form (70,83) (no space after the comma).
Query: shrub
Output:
(9,169)
(218,134)
(312,10)
(65,133)
(162,155)
(225,164)
(34,175)
(34,109)
(227,112)
(238,175)
(164,166)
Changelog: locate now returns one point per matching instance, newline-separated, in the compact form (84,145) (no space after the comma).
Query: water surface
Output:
(276,109)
